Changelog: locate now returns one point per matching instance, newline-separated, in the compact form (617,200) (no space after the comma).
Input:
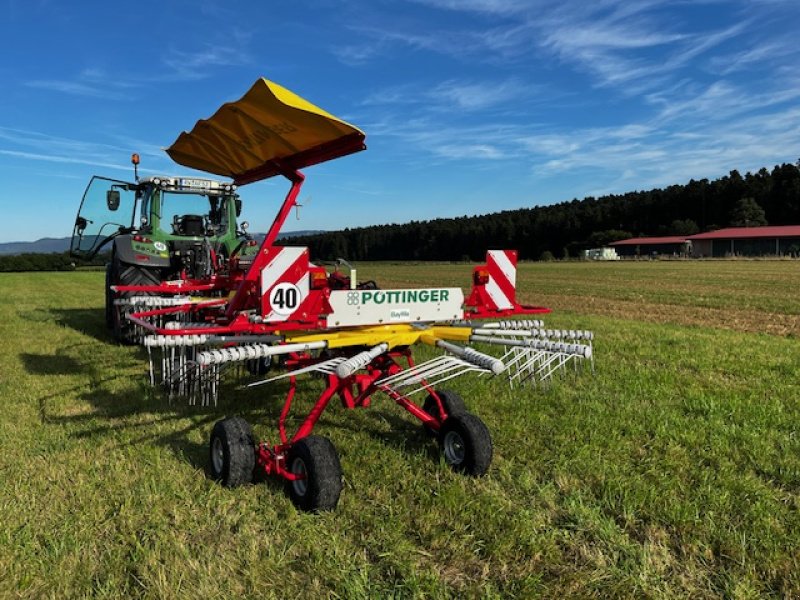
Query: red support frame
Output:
(247,292)
(354,391)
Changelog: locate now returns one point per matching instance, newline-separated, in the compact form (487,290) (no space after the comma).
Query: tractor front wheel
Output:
(466,444)
(232,452)
(314,458)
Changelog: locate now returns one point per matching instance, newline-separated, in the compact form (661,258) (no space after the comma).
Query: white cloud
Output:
(39,146)
(74,88)
(197,64)
(495,7)
(468,151)
(90,82)
(63,159)
(463,95)
(754,56)
(476,96)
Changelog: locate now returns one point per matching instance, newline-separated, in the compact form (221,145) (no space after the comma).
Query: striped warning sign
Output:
(501,287)
(284,282)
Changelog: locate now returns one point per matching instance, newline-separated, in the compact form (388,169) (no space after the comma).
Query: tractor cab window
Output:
(108,208)
(186,214)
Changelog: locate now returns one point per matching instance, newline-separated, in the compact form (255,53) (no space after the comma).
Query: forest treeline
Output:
(52,261)
(560,230)
(568,228)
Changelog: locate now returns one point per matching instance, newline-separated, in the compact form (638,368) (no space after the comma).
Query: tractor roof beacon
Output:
(206,301)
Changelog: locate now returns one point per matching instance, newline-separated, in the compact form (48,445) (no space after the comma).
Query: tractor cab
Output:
(158,230)
(163,210)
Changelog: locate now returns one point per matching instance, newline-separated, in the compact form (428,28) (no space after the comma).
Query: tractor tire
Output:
(123,274)
(466,444)
(109,297)
(232,452)
(452,402)
(317,459)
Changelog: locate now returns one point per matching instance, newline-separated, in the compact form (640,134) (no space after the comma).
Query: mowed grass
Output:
(673,471)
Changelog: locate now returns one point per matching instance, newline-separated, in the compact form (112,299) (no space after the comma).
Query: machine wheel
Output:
(466,444)
(123,329)
(316,458)
(259,366)
(232,452)
(452,402)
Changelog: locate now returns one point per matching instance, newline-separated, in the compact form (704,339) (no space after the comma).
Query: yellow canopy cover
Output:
(268,131)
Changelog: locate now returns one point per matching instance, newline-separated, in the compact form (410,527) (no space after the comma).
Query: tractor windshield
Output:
(107,209)
(192,214)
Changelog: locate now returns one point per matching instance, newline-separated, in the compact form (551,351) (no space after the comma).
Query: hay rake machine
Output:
(283,317)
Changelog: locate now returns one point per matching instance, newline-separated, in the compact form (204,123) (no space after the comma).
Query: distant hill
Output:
(289,234)
(42,246)
(49,245)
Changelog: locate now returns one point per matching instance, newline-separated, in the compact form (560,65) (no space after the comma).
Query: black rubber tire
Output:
(232,452)
(259,366)
(466,444)
(452,402)
(123,274)
(109,297)
(322,486)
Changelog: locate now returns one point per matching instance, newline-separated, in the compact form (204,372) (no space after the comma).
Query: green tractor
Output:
(165,234)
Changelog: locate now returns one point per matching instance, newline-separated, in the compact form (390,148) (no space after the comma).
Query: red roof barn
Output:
(775,240)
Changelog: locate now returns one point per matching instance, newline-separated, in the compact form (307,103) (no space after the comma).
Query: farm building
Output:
(646,246)
(747,241)
(779,240)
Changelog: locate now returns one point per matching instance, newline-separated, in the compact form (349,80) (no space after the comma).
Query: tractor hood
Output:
(268,131)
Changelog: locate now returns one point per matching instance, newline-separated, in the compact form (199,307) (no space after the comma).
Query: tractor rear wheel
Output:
(315,458)
(466,444)
(109,296)
(232,452)
(453,405)
(124,331)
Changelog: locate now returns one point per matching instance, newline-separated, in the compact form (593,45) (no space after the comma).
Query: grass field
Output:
(672,472)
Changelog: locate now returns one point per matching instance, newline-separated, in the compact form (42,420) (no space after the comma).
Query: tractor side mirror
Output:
(238,204)
(112,199)
(80,225)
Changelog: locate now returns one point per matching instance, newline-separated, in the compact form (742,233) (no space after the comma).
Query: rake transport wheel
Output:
(466,444)
(316,458)
(123,274)
(232,452)
(452,402)
(259,366)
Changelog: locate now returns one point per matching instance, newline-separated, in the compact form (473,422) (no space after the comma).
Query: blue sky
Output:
(469,106)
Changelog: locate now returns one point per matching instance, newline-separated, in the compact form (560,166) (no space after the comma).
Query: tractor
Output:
(162,231)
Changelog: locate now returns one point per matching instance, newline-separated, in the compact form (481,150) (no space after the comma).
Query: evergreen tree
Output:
(747,213)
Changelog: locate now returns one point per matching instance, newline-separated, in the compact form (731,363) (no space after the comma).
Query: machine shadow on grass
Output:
(87,321)
(125,403)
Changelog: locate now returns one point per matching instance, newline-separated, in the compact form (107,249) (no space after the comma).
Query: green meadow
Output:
(672,471)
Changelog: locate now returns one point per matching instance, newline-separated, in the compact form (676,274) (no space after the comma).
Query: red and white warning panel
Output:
(494,288)
(501,287)
(284,283)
